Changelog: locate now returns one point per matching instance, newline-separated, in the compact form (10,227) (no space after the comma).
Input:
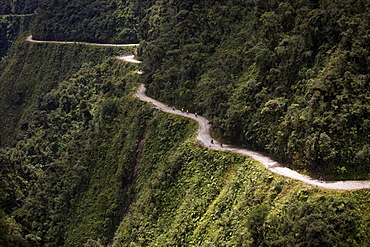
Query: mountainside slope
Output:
(32,70)
(10,27)
(199,197)
(85,163)
(93,21)
(284,77)
(204,136)
(76,141)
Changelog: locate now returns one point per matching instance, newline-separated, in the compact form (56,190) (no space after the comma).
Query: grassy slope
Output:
(192,196)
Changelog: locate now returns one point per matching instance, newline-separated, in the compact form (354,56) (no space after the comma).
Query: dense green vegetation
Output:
(289,78)
(192,196)
(10,28)
(84,163)
(15,18)
(32,70)
(76,144)
(94,21)
(15,7)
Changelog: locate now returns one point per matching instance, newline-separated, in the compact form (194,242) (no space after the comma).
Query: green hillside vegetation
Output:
(10,29)
(15,17)
(85,163)
(14,7)
(93,21)
(76,144)
(289,78)
(32,70)
(95,162)
(193,196)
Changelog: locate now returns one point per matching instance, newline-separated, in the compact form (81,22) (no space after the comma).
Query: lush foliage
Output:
(290,78)
(32,70)
(88,20)
(10,28)
(17,7)
(192,196)
(74,154)
(84,163)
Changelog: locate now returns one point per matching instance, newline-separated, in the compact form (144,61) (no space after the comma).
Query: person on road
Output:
(221,144)
(321,179)
(211,141)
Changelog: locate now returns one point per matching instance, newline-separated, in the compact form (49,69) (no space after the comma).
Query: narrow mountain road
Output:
(17,15)
(30,39)
(204,134)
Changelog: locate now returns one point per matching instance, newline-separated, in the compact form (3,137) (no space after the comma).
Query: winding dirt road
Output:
(30,39)
(204,134)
